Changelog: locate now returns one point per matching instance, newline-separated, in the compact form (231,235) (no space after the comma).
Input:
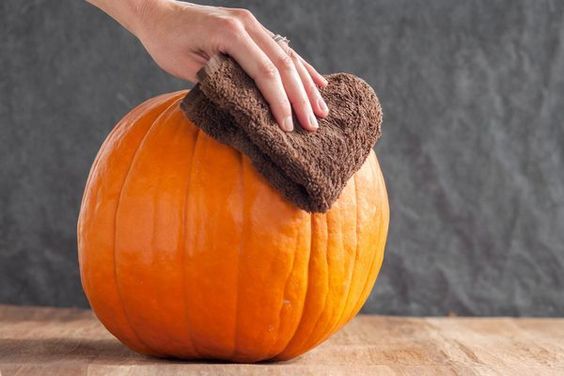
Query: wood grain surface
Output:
(54,341)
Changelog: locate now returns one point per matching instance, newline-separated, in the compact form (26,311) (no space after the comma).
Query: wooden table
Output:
(54,341)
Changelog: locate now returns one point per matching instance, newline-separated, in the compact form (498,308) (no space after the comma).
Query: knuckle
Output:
(244,15)
(284,106)
(285,62)
(311,88)
(301,102)
(292,54)
(268,71)
(231,27)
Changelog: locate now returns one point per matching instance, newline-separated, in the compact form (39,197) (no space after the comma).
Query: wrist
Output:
(146,15)
(141,14)
(134,15)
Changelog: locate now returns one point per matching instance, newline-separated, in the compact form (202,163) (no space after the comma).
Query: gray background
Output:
(473,94)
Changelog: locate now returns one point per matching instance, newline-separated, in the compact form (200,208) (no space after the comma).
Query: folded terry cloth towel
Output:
(309,168)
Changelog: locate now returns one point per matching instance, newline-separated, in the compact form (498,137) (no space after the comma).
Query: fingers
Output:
(317,77)
(318,104)
(286,80)
(265,74)
(291,79)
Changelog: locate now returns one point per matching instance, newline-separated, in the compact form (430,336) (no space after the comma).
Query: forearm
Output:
(129,13)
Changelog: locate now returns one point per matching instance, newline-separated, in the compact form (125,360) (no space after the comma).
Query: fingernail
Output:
(325,82)
(322,105)
(313,122)
(287,124)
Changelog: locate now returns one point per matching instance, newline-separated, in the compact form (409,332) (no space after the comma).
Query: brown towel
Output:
(309,168)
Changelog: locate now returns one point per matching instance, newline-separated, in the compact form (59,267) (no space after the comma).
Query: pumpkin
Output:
(186,251)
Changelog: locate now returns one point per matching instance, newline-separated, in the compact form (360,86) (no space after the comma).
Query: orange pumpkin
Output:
(186,251)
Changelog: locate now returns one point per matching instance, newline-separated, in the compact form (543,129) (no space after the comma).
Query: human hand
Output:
(181,37)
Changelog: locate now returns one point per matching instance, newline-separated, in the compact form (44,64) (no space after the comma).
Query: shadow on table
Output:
(79,350)
(56,349)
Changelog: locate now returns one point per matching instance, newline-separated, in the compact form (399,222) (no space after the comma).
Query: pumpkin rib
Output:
(360,292)
(367,283)
(148,232)
(138,112)
(381,215)
(210,256)
(311,314)
(346,317)
(356,256)
(272,224)
(284,297)
(336,213)
(179,249)
(183,241)
(362,284)
(307,342)
(384,222)
(241,247)
(360,301)
(119,199)
(348,272)
(329,316)
(354,261)
(307,287)
(119,295)
(129,337)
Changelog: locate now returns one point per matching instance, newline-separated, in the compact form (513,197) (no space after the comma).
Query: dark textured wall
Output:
(473,146)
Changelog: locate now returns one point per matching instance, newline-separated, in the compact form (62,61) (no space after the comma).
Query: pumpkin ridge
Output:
(338,323)
(307,341)
(331,323)
(94,168)
(360,301)
(380,214)
(360,292)
(308,285)
(354,262)
(119,293)
(184,239)
(383,229)
(330,318)
(284,295)
(95,178)
(144,213)
(138,112)
(241,246)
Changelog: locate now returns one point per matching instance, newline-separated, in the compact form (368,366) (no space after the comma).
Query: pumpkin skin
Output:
(186,251)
